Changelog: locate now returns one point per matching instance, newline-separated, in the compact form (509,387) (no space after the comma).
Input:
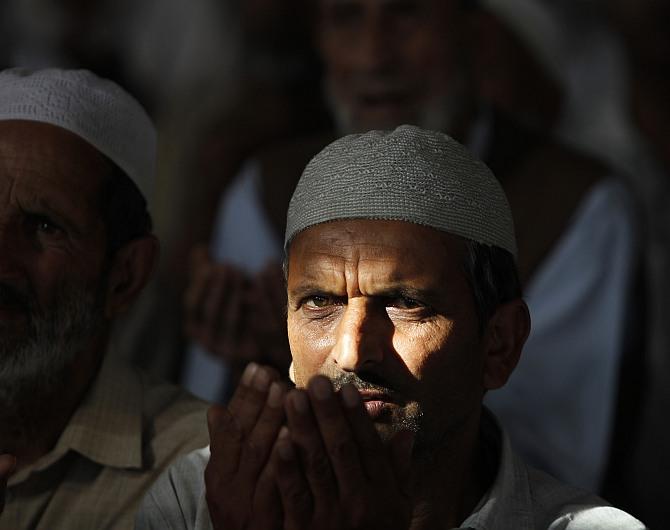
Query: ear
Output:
(131,269)
(506,333)
(291,372)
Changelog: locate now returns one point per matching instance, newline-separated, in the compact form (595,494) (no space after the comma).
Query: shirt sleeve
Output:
(600,518)
(176,501)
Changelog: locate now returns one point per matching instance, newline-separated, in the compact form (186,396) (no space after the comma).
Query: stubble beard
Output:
(408,416)
(444,112)
(35,362)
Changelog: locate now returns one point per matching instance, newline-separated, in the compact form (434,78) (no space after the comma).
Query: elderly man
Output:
(404,309)
(85,436)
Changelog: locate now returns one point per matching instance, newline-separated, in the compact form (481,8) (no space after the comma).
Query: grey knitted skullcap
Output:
(97,110)
(408,174)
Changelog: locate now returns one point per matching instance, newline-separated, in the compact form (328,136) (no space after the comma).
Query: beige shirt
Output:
(125,432)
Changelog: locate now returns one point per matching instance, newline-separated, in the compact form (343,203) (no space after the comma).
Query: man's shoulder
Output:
(525,497)
(558,506)
(176,500)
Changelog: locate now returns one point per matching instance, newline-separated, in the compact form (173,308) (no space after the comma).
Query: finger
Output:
(249,400)
(230,321)
(262,438)
(7,465)
(194,296)
(267,511)
(337,437)
(225,442)
(198,255)
(265,314)
(371,449)
(294,491)
(214,302)
(243,388)
(312,452)
(268,322)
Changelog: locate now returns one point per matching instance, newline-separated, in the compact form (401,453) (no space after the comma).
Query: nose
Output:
(362,336)
(375,47)
(369,46)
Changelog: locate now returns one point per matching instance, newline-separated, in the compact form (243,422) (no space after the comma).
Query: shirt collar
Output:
(508,502)
(106,428)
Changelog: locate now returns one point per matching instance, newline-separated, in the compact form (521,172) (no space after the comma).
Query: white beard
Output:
(36,361)
(441,113)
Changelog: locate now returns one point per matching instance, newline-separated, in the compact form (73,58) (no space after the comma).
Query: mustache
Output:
(15,297)
(366,381)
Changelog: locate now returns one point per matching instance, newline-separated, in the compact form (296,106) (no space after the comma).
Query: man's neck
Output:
(31,429)
(448,486)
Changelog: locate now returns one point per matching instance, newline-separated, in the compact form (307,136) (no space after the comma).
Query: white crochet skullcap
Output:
(95,109)
(408,174)
(538,27)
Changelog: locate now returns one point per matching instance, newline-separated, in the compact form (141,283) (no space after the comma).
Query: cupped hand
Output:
(332,469)
(240,487)
(214,306)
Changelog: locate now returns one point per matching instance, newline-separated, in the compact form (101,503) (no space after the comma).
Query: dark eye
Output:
(403,302)
(44,226)
(47,227)
(318,301)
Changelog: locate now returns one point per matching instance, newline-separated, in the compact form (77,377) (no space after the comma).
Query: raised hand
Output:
(332,469)
(214,307)
(240,486)
(266,312)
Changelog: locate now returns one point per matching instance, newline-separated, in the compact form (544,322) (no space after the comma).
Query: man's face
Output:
(386,306)
(390,62)
(52,248)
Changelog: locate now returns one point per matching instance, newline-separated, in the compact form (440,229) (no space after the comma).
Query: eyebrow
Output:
(310,288)
(428,296)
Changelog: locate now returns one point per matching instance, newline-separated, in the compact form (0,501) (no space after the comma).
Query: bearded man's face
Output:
(53,254)
(393,62)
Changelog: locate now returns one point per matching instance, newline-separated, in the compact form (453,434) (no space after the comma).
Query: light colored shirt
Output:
(521,498)
(126,431)
(558,405)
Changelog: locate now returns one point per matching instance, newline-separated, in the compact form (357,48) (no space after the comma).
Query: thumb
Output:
(198,256)
(7,466)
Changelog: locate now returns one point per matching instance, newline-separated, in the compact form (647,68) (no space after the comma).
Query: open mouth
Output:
(375,403)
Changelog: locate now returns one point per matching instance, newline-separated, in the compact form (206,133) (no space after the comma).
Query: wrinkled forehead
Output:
(45,157)
(394,250)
